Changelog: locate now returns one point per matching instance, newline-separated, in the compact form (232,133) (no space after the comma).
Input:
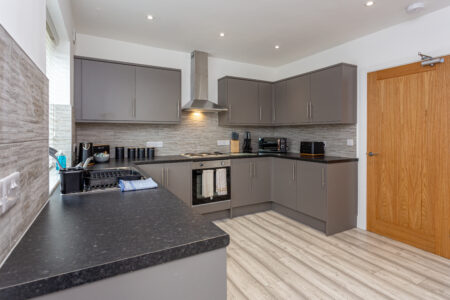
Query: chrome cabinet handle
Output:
(167,177)
(307,110)
(372,153)
(260,112)
(293,172)
(229,112)
(250,170)
(162,176)
(254,170)
(310,110)
(178,109)
(323,177)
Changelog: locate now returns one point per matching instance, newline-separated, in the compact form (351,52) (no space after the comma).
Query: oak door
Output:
(408,155)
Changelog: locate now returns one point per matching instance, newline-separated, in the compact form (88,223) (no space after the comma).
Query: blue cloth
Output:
(136,185)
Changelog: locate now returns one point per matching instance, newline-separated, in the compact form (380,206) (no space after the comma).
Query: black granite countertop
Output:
(82,238)
(179,158)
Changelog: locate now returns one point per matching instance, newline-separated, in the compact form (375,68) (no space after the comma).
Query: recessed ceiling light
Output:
(149,17)
(277,47)
(370,3)
(222,34)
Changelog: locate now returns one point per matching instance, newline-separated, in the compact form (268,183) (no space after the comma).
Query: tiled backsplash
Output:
(200,133)
(23,138)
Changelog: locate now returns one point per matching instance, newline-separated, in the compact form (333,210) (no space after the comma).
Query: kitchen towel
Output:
(221,182)
(135,185)
(208,183)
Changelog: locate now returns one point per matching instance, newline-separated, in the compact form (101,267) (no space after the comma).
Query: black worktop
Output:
(87,237)
(179,158)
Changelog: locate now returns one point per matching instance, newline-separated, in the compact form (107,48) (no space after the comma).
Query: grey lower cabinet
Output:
(311,189)
(107,91)
(284,182)
(250,181)
(176,177)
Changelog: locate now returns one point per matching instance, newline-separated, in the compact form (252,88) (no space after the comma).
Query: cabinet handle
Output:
(307,110)
(323,177)
(250,170)
(310,110)
(178,109)
(260,112)
(229,112)
(162,176)
(254,170)
(167,177)
(293,172)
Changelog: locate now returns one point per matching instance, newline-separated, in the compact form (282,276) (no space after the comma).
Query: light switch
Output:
(158,144)
(349,142)
(223,142)
(9,191)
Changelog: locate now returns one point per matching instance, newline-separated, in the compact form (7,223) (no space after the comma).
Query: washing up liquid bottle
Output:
(62,160)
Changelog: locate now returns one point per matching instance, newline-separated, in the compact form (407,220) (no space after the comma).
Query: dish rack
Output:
(108,178)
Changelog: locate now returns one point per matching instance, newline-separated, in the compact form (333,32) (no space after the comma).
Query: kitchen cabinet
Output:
(265,102)
(297,98)
(311,189)
(117,92)
(333,95)
(107,91)
(250,181)
(158,95)
(284,182)
(175,177)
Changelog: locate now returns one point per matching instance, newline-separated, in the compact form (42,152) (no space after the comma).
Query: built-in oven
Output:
(210,181)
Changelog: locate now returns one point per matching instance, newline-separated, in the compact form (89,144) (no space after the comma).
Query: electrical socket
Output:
(349,142)
(158,144)
(223,142)
(9,191)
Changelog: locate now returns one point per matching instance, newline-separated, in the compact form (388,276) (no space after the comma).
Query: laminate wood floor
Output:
(273,257)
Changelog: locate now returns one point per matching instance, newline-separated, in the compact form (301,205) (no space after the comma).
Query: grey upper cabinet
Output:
(158,95)
(311,189)
(250,181)
(297,98)
(117,92)
(265,102)
(176,177)
(107,91)
(241,99)
(333,95)
(284,182)
(281,107)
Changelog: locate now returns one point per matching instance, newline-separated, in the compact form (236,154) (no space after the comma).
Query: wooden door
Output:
(243,101)
(407,175)
(158,95)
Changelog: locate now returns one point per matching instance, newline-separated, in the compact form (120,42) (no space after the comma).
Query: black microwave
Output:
(272,145)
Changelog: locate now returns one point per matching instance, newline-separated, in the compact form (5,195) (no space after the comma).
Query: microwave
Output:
(272,145)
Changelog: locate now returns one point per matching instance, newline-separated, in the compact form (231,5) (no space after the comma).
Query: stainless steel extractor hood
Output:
(199,85)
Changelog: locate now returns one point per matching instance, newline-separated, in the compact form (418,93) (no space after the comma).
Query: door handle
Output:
(372,153)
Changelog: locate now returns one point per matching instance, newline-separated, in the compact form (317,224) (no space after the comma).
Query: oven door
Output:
(214,195)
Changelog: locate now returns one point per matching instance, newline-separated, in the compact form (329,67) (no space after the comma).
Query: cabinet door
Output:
(77,88)
(312,198)
(158,95)
(326,95)
(241,182)
(265,98)
(297,100)
(280,102)
(262,170)
(284,183)
(178,180)
(107,91)
(155,171)
(243,101)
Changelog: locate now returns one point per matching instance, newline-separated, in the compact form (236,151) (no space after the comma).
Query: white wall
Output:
(390,47)
(97,47)
(25,22)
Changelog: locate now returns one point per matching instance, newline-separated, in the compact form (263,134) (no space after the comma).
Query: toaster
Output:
(312,148)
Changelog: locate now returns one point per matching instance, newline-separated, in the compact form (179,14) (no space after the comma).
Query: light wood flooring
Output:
(273,257)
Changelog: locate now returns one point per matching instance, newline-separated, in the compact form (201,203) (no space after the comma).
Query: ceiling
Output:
(252,27)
